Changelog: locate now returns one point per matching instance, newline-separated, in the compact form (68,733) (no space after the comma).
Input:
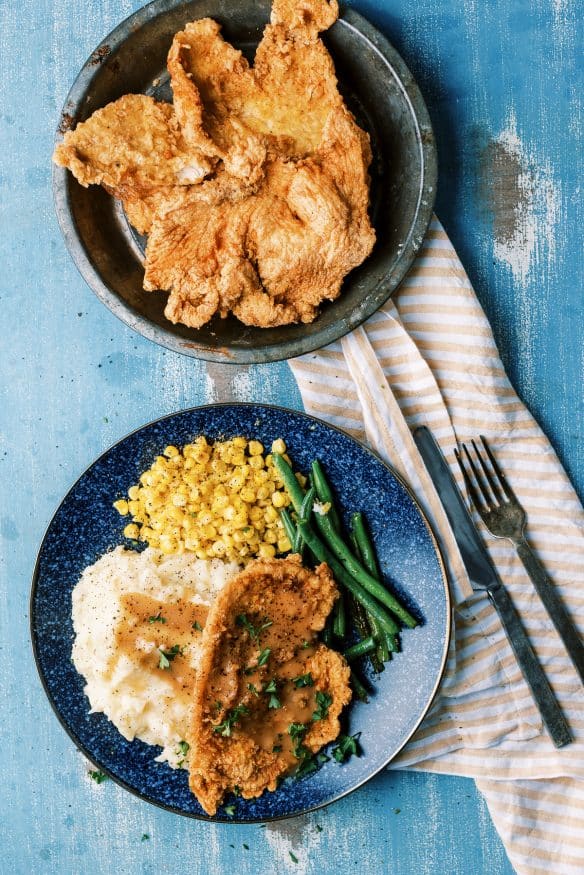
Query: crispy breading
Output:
(285,216)
(135,149)
(261,633)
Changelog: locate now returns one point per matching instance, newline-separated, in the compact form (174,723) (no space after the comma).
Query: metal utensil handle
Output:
(554,606)
(547,704)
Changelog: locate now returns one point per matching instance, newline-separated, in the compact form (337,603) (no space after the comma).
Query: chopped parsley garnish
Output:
(167,656)
(229,810)
(98,776)
(237,790)
(145,837)
(277,748)
(231,720)
(184,747)
(157,619)
(250,670)
(323,702)
(305,644)
(196,625)
(309,764)
(252,689)
(303,680)
(318,827)
(272,689)
(348,746)
(246,846)
(264,656)
(306,766)
(293,857)
(254,631)
(297,731)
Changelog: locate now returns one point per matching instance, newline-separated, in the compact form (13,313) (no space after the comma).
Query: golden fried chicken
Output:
(134,149)
(268,695)
(261,208)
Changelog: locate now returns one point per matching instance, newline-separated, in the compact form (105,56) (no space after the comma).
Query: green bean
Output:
(386,644)
(293,487)
(327,633)
(359,573)
(367,625)
(323,554)
(324,492)
(340,618)
(365,546)
(361,648)
(307,502)
(289,526)
(359,688)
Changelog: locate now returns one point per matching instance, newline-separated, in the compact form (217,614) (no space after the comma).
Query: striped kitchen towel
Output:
(428,358)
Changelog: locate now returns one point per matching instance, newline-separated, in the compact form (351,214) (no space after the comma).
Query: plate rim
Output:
(161,335)
(33,632)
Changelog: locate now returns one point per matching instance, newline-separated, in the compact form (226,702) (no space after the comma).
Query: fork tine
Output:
(477,476)
(502,480)
(476,497)
(497,493)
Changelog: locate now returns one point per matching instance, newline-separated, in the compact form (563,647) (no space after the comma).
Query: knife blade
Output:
(483,577)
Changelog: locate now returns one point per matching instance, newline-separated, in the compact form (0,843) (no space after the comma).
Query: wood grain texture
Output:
(502,85)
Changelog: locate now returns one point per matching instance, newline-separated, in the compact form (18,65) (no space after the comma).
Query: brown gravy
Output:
(167,626)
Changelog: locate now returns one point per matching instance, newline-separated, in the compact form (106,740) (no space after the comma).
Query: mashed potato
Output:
(128,609)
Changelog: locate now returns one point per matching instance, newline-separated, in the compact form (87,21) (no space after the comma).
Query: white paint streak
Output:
(243,385)
(532,240)
(282,845)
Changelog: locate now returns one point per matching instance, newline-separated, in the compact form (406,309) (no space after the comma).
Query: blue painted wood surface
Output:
(502,84)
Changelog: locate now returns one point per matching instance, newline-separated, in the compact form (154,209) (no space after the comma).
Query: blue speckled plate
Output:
(85,526)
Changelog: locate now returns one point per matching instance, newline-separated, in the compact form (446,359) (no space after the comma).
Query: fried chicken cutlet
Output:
(268,695)
(261,208)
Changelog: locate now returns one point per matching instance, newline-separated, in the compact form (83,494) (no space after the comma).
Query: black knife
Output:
(484,578)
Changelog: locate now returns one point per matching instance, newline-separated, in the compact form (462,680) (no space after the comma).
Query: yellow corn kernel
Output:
(255,448)
(238,457)
(133,492)
(262,492)
(266,551)
(248,494)
(271,515)
(240,442)
(171,451)
(256,462)
(236,482)
(179,500)
(301,479)
(279,499)
(278,446)
(284,545)
(132,531)
(219,504)
(219,548)
(270,537)
(122,507)
(168,544)
(240,519)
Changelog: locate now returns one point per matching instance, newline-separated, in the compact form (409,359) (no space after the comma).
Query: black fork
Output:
(504,517)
